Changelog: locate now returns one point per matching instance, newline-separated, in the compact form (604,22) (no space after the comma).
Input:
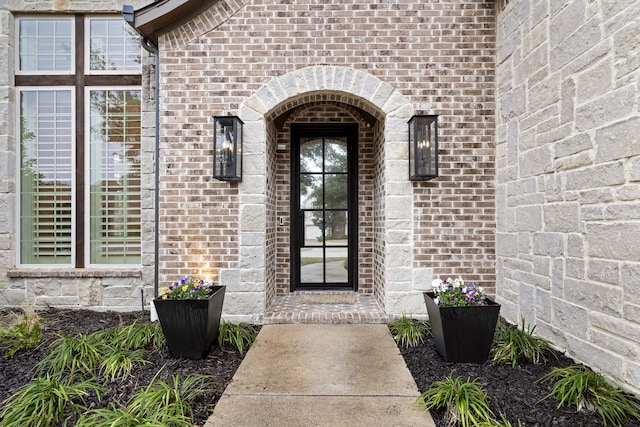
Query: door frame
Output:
(324,130)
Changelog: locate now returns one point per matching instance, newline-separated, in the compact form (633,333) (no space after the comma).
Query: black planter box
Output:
(190,326)
(463,334)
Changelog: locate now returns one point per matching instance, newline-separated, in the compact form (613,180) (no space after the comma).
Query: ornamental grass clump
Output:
(409,332)
(187,288)
(237,335)
(582,388)
(457,293)
(513,345)
(464,401)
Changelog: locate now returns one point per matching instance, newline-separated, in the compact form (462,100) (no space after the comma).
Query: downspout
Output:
(128,14)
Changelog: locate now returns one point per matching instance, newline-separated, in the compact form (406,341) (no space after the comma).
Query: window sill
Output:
(74,272)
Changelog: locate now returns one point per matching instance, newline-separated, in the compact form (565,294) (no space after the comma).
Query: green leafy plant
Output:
(21,332)
(582,388)
(237,335)
(118,363)
(71,355)
(45,400)
(464,401)
(187,288)
(513,345)
(409,332)
(457,293)
(172,397)
(136,335)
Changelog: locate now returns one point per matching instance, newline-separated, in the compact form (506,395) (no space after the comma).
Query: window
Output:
(79,100)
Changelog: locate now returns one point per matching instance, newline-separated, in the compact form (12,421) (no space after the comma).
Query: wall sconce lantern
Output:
(227,148)
(423,148)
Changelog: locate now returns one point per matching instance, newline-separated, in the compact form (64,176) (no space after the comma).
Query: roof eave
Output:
(164,15)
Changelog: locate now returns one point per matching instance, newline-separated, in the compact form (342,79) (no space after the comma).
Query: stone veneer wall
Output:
(568,177)
(97,288)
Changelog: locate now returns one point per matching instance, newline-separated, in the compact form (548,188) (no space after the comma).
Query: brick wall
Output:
(437,55)
(568,186)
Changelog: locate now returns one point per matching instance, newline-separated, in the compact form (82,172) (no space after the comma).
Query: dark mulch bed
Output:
(512,391)
(515,392)
(221,363)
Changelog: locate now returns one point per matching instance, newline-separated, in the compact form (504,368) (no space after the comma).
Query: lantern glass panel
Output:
(423,147)
(227,148)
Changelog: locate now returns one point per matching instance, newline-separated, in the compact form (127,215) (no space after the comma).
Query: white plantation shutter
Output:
(46,180)
(114,188)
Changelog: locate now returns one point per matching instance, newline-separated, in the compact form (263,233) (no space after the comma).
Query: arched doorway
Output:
(326,95)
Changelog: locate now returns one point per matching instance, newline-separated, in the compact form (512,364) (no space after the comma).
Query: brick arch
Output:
(251,282)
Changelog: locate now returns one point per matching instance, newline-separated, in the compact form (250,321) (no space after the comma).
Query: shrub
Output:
(237,335)
(513,345)
(21,334)
(409,332)
(581,387)
(465,402)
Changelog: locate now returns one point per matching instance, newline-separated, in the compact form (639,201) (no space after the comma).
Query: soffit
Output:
(164,15)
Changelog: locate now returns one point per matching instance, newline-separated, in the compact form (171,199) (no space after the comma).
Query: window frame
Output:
(16,67)
(74,191)
(87,173)
(79,80)
(87,50)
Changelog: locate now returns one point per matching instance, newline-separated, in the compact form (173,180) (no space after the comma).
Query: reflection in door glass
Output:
(336,228)
(311,265)
(335,193)
(335,155)
(311,191)
(313,225)
(336,265)
(311,155)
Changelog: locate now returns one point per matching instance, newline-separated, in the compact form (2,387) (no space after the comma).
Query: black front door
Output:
(324,195)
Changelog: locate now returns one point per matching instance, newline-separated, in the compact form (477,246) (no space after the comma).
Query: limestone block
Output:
(249,275)
(614,241)
(629,274)
(561,217)
(573,145)
(632,377)
(255,238)
(13,298)
(615,105)
(254,164)
(399,256)
(410,303)
(243,303)
(131,291)
(626,42)
(596,176)
(513,103)
(398,236)
(575,44)
(252,257)
(252,110)
(628,193)
(529,218)
(422,279)
(229,277)
(591,355)
(566,22)
(252,217)
(536,161)
(89,291)
(545,93)
(594,296)
(574,319)
(550,244)
(618,141)
(399,286)
(575,268)
(543,305)
(56,301)
(398,207)
(253,184)
(507,244)
(634,169)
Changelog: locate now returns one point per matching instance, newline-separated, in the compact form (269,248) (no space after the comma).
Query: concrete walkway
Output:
(321,375)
